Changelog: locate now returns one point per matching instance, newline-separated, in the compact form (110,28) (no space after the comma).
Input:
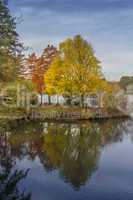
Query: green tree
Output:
(10,47)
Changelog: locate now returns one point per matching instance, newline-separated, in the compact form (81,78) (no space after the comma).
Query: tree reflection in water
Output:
(10,178)
(72,149)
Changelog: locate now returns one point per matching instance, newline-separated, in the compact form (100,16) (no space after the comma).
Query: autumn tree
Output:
(48,55)
(75,71)
(37,76)
(27,67)
(10,47)
(38,66)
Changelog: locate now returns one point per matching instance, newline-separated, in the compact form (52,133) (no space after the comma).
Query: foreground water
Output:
(67,161)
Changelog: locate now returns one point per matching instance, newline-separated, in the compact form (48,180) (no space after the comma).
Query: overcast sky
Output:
(106,24)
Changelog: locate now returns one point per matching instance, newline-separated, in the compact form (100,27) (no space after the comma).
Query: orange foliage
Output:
(39,65)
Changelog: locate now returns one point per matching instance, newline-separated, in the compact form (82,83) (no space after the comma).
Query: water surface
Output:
(91,160)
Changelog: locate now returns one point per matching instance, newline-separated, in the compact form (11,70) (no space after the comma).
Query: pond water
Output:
(91,160)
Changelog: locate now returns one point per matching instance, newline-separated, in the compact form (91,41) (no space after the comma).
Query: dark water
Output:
(67,161)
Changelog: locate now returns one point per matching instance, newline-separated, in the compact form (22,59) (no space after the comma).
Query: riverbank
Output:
(74,113)
(58,113)
(11,113)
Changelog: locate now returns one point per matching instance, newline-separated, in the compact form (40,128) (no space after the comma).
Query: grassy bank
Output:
(75,113)
(11,113)
(59,113)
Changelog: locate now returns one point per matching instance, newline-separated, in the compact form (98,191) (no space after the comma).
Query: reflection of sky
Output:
(113,178)
(107,24)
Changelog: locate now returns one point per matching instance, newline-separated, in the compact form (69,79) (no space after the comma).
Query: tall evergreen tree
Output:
(10,47)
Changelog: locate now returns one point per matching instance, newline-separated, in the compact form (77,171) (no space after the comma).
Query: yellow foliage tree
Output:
(75,71)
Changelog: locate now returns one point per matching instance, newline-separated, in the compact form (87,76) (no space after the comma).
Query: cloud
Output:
(73,5)
(107,24)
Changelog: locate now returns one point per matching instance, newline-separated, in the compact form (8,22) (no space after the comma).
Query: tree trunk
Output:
(49,99)
(82,101)
(68,100)
(57,99)
(100,100)
(41,99)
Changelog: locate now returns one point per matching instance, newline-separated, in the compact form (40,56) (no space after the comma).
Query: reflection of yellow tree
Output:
(54,146)
(73,149)
(75,154)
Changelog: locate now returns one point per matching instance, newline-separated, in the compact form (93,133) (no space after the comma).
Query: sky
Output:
(106,24)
